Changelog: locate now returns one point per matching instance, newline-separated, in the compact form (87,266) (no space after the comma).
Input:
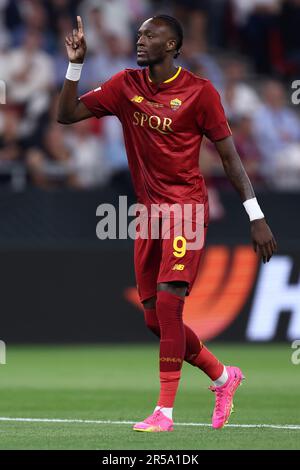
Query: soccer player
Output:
(165,111)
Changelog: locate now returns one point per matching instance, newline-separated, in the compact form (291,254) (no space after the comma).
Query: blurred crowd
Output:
(249,49)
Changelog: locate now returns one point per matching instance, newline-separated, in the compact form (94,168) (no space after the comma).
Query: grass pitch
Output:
(107,385)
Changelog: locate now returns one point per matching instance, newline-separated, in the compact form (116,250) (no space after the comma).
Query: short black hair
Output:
(176,28)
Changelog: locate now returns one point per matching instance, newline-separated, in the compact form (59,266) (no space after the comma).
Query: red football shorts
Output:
(168,257)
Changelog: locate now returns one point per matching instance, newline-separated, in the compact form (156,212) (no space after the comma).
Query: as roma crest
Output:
(175,104)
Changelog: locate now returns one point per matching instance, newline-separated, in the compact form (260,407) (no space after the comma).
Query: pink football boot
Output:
(157,422)
(224,397)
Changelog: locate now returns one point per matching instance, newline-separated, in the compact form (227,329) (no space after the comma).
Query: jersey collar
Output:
(169,82)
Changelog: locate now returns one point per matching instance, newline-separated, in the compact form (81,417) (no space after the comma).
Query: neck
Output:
(162,72)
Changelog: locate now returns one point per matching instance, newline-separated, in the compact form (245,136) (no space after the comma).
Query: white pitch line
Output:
(94,421)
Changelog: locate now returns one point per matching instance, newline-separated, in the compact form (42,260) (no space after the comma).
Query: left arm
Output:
(234,168)
(262,237)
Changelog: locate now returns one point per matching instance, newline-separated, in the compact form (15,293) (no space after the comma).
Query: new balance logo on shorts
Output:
(178,267)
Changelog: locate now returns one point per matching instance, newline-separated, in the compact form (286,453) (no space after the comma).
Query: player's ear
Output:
(171,45)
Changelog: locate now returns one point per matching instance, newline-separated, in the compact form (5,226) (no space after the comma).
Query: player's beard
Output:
(147,61)
(143,62)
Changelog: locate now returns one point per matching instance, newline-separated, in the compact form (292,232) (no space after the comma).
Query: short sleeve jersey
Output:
(163,127)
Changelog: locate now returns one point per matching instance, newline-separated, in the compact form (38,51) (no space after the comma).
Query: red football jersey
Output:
(163,127)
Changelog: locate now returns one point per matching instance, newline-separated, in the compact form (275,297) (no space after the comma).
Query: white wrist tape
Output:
(253,209)
(74,72)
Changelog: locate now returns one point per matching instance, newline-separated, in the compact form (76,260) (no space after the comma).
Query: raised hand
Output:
(75,43)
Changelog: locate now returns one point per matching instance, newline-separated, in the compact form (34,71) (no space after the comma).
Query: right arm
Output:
(70,108)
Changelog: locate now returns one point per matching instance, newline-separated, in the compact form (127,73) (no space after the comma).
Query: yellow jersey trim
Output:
(172,78)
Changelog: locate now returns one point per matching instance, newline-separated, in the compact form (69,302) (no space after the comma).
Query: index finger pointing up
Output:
(80,24)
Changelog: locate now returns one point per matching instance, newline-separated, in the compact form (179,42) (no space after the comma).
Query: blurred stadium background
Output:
(60,284)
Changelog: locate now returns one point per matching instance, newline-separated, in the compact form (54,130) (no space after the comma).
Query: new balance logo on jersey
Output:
(162,125)
(178,267)
(137,99)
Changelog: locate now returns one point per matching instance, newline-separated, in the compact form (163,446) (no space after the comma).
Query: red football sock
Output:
(169,382)
(169,308)
(195,354)
(193,345)
(151,320)
(207,362)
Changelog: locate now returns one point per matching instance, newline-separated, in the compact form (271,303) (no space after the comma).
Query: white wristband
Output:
(74,72)
(253,209)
